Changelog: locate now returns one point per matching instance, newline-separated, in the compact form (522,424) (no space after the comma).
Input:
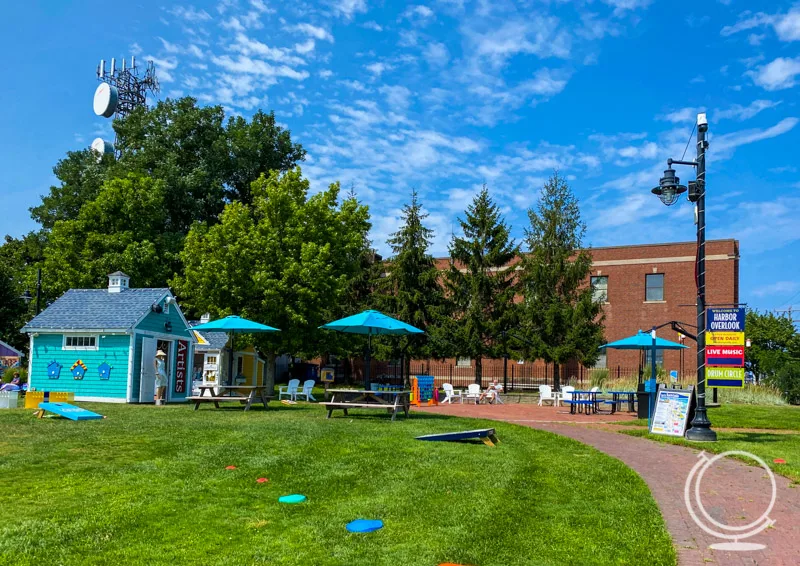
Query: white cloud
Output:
(538,35)
(354,85)
(682,115)
(740,112)
(755,39)
(305,47)
(397,97)
(243,64)
(620,6)
(786,26)
(777,75)
(348,8)
(777,288)
(326,73)
(312,31)
(436,54)
(545,82)
(261,6)
(248,47)
(377,68)
(419,14)
(163,68)
(190,14)
(728,142)
(135,49)
(766,225)
(234,24)
(375,26)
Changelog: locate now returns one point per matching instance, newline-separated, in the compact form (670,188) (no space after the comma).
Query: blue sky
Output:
(445,95)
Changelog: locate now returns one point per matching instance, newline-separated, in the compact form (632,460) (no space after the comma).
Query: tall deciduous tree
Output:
(771,338)
(411,289)
(286,261)
(480,286)
(559,320)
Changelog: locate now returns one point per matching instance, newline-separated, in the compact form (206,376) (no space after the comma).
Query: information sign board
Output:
(725,320)
(671,412)
(724,377)
(728,356)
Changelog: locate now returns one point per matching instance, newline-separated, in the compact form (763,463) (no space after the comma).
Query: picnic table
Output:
(618,398)
(582,402)
(391,401)
(245,394)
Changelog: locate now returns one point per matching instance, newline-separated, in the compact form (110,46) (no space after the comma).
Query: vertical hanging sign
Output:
(725,347)
(180,369)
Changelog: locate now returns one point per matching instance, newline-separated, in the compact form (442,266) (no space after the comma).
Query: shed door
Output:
(147,377)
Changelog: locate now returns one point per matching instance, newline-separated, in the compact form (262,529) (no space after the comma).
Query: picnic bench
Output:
(390,401)
(245,394)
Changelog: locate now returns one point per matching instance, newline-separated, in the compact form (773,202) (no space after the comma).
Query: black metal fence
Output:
(515,377)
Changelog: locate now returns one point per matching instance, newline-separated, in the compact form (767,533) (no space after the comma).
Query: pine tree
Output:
(559,319)
(411,290)
(480,285)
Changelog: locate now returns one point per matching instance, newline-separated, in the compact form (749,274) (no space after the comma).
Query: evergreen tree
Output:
(560,321)
(411,290)
(480,285)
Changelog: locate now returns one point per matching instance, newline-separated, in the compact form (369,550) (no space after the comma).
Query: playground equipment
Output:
(423,390)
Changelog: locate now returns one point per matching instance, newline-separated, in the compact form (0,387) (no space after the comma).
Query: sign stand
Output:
(671,413)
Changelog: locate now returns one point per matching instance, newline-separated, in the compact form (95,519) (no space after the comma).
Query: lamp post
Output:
(27,297)
(668,190)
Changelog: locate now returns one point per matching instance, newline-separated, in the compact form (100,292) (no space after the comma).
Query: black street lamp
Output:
(668,190)
(27,297)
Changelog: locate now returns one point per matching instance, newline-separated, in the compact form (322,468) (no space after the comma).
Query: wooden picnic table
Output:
(391,401)
(230,393)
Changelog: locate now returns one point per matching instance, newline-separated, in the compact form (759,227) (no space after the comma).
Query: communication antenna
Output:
(120,92)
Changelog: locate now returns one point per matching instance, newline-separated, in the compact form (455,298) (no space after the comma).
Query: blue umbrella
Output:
(232,325)
(371,322)
(643,340)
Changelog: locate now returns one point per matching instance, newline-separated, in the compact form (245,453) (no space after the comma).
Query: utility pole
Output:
(788,312)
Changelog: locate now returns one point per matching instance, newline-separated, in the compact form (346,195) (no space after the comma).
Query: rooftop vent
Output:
(118,282)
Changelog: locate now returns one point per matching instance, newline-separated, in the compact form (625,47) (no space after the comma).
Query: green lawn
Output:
(148,485)
(784,417)
(765,445)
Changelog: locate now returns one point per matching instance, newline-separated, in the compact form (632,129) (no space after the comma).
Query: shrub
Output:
(8,374)
(787,381)
(599,377)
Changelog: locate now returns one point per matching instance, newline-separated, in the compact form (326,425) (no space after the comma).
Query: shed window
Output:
(75,342)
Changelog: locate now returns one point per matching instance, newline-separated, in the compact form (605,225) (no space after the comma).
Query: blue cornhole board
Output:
(485,434)
(71,412)
(364,525)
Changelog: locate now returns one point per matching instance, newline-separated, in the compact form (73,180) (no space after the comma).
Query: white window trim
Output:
(81,348)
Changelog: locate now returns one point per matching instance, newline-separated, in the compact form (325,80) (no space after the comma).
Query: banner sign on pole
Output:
(730,356)
(725,320)
(180,366)
(724,338)
(724,377)
(671,412)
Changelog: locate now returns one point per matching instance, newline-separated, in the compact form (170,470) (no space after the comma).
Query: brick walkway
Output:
(732,492)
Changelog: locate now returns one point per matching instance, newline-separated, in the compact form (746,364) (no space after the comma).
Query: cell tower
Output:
(120,92)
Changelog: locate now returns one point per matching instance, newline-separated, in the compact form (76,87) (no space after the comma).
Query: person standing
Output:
(161,376)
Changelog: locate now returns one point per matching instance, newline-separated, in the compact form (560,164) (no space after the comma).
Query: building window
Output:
(73,342)
(654,287)
(602,361)
(239,365)
(659,358)
(166,308)
(463,362)
(600,289)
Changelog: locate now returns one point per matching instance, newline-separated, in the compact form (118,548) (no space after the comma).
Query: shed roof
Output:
(96,309)
(9,351)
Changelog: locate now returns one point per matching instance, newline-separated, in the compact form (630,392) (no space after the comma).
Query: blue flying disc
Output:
(364,526)
(295,498)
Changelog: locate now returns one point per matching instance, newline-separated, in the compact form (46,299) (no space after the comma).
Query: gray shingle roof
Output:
(216,340)
(96,309)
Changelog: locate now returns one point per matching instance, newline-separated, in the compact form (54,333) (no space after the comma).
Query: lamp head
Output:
(669,188)
(26,296)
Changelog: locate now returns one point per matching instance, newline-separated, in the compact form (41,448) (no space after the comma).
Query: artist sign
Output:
(180,368)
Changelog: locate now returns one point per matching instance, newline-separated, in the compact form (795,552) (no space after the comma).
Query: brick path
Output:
(732,492)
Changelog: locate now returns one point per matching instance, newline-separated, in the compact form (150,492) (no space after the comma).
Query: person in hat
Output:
(161,376)
(14,385)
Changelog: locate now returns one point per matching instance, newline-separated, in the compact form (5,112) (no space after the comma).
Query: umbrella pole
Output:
(367,361)
(230,362)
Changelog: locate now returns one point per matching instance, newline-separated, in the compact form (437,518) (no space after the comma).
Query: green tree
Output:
(411,290)
(479,284)
(559,321)
(770,340)
(19,258)
(123,228)
(285,261)
(12,310)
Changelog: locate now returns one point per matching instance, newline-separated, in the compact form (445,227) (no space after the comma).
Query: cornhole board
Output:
(71,412)
(485,434)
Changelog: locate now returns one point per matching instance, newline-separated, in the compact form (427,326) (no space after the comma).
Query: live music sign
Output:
(725,356)
(180,369)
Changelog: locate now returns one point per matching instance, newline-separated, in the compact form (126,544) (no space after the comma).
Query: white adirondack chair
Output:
(289,390)
(546,394)
(473,392)
(450,393)
(308,385)
(566,392)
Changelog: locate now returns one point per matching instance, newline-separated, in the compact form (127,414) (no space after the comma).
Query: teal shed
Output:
(100,344)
